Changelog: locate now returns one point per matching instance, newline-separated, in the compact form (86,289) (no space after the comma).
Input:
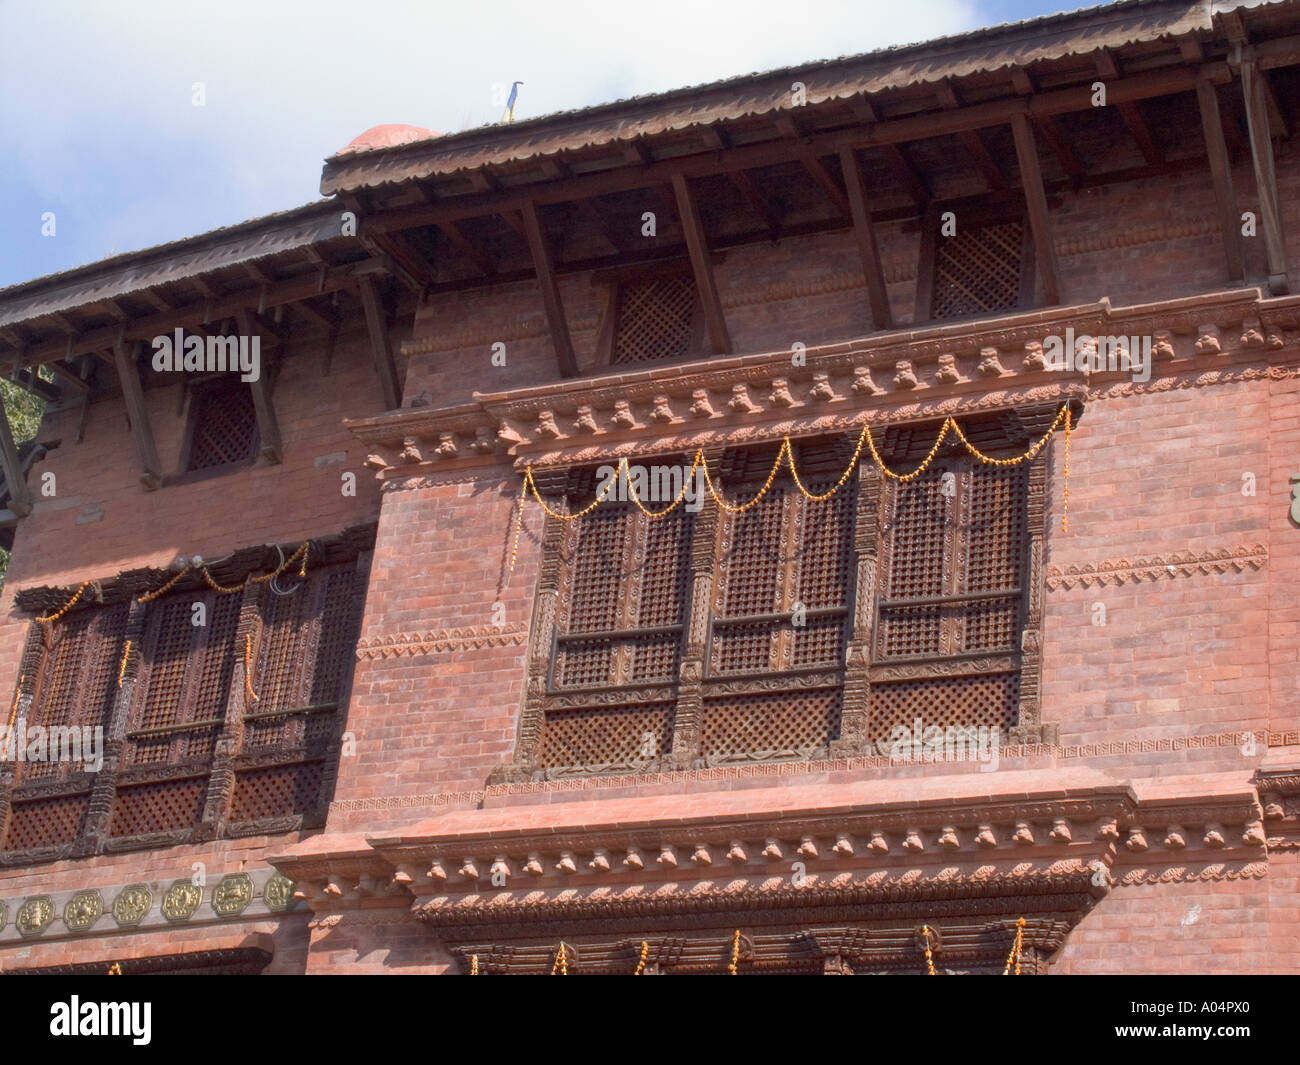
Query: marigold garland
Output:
(18,697)
(248,667)
(50,618)
(561,965)
(121,669)
(114,970)
(473,965)
(785,455)
(734,965)
(640,965)
(149,597)
(929,954)
(1016,947)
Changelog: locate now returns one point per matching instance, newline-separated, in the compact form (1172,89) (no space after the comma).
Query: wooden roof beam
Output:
(900,163)
(701,266)
(1129,111)
(1261,151)
(125,357)
(484,263)
(763,206)
(544,268)
(1207,99)
(1162,82)
(1023,83)
(971,140)
(1031,177)
(865,235)
(380,348)
(790,129)
(268,428)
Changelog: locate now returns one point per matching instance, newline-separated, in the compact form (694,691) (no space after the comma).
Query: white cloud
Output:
(95,100)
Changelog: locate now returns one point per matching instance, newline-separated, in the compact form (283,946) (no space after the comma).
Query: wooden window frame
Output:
(972,214)
(614,283)
(198,391)
(859,667)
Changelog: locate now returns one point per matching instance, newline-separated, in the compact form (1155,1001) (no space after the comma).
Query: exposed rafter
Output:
(544,268)
(698,248)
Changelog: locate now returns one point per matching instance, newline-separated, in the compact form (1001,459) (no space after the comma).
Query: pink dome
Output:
(388,136)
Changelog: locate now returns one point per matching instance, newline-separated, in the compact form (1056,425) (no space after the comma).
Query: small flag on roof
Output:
(509,114)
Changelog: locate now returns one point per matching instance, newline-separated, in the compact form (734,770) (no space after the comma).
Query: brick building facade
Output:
(424,726)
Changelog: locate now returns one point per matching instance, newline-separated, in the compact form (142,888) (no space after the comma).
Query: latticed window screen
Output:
(942,641)
(953,597)
(780,606)
(620,625)
(978,271)
(186,682)
(655,319)
(71,692)
(224,427)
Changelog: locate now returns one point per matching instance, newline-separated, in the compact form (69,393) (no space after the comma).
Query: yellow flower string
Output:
(640,965)
(561,965)
(248,667)
(473,965)
(49,618)
(1014,956)
(115,969)
(13,716)
(149,597)
(735,954)
(785,456)
(301,553)
(121,670)
(929,954)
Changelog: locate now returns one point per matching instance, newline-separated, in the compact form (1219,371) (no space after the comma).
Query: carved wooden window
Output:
(985,266)
(779,611)
(655,318)
(618,636)
(223,427)
(797,628)
(204,750)
(954,601)
(71,666)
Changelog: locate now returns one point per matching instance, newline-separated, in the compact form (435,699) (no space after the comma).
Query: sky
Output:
(134,123)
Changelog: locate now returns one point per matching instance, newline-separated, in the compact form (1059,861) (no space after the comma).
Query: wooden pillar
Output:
(545,269)
(1207,97)
(1031,176)
(103,793)
(854,725)
(697,246)
(687,716)
(1255,90)
(128,376)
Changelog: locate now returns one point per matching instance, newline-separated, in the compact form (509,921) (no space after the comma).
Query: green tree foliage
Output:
(25,412)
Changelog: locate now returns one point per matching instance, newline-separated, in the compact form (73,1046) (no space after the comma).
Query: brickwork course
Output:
(453,733)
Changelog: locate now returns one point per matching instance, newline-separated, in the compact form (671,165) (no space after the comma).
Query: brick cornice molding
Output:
(1116,571)
(1204,340)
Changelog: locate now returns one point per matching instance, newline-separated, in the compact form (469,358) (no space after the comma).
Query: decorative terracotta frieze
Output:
(1116,571)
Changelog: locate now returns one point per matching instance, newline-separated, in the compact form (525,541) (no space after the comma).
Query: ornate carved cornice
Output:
(1115,571)
(906,375)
